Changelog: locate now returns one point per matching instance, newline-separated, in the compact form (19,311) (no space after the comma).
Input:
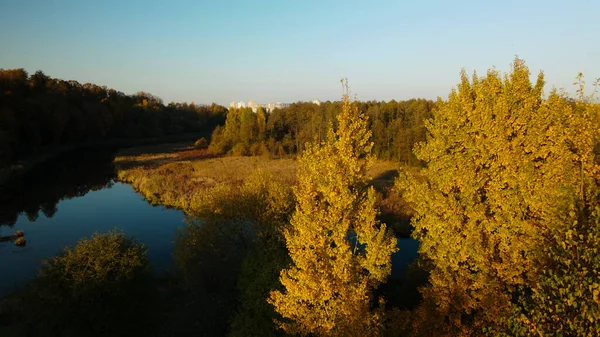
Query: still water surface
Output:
(116,206)
(74,197)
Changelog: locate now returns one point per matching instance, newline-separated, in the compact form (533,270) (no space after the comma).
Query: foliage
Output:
(39,113)
(566,299)
(201,143)
(229,218)
(395,126)
(70,176)
(244,133)
(235,226)
(502,165)
(96,288)
(258,275)
(207,259)
(338,250)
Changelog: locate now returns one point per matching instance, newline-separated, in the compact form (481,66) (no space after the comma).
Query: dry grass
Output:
(203,167)
(171,174)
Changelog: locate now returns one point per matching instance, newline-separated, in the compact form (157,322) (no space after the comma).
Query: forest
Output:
(501,180)
(39,114)
(395,126)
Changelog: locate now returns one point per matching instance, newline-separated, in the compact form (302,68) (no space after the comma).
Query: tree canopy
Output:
(503,166)
(339,252)
(39,113)
(395,127)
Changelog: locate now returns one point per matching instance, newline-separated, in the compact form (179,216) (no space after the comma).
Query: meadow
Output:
(172,174)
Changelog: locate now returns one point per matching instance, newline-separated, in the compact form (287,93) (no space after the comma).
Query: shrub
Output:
(231,221)
(201,144)
(240,149)
(95,288)
(20,241)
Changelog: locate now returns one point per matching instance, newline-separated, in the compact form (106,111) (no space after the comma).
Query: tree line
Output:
(72,174)
(396,126)
(39,113)
(507,213)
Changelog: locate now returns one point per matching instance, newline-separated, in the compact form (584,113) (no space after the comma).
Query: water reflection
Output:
(68,176)
(71,198)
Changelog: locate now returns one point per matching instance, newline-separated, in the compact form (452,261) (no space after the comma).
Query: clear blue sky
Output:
(284,50)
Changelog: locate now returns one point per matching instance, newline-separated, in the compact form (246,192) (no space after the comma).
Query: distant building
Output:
(268,107)
(317,102)
(252,105)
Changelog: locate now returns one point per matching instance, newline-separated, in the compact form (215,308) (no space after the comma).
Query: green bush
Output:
(97,288)
(201,144)
(566,298)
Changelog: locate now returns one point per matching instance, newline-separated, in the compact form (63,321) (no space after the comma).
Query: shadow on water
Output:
(394,211)
(384,181)
(203,294)
(70,175)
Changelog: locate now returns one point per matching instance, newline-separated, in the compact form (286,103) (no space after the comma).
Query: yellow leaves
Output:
(501,164)
(595,293)
(339,251)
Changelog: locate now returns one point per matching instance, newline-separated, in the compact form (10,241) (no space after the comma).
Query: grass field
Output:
(170,174)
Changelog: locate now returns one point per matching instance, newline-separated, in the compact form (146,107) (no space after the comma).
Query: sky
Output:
(288,50)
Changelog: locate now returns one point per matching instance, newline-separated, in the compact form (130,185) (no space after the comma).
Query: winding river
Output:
(75,196)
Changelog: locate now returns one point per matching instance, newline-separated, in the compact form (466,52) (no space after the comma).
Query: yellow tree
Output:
(503,164)
(339,251)
(261,124)
(565,299)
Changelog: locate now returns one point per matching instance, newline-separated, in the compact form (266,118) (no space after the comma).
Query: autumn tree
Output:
(40,113)
(565,298)
(261,124)
(339,251)
(396,126)
(503,164)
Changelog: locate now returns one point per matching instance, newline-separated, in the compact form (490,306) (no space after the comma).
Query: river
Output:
(75,196)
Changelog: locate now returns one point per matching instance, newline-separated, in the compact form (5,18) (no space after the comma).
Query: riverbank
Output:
(172,174)
(25,165)
(219,277)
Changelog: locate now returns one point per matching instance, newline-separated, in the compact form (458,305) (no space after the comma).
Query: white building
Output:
(252,105)
(268,107)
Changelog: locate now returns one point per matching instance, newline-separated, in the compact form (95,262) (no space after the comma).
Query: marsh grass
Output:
(174,174)
(172,177)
